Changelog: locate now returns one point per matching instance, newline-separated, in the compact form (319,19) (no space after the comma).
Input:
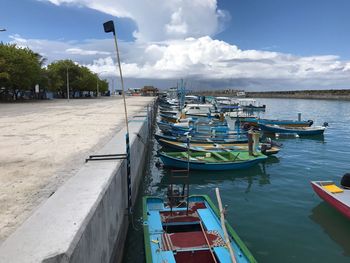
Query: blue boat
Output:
(289,123)
(218,129)
(200,139)
(301,131)
(211,161)
(190,231)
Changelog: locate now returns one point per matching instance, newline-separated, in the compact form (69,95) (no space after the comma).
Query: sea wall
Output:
(343,94)
(86,220)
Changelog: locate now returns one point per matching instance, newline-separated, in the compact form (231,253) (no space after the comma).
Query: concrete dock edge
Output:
(86,220)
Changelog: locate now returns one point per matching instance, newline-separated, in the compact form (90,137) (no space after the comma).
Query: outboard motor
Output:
(264,147)
(345,181)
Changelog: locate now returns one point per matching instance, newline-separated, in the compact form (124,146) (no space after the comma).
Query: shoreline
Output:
(305,97)
(303,94)
(339,94)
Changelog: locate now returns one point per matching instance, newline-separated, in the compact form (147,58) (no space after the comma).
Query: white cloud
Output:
(79,51)
(197,59)
(159,20)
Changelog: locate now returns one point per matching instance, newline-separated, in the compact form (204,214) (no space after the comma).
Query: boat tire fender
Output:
(345,181)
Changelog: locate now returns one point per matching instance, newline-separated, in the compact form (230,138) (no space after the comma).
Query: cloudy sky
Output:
(248,44)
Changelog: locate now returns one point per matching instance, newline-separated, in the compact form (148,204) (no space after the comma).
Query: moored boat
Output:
(191,231)
(213,161)
(337,197)
(202,139)
(289,123)
(265,148)
(251,105)
(301,131)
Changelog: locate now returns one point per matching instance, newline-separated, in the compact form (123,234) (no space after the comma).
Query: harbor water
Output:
(272,205)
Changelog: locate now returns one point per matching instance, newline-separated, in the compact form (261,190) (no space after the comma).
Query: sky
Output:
(212,44)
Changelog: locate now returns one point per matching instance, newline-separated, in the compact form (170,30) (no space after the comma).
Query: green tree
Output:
(80,78)
(57,74)
(20,69)
(103,86)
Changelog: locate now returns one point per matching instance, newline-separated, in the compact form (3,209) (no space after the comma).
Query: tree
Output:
(20,69)
(81,79)
(57,73)
(103,86)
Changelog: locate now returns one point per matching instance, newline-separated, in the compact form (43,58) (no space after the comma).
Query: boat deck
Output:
(343,197)
(196,236)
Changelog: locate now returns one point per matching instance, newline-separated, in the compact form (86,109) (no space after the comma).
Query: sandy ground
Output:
(42,144)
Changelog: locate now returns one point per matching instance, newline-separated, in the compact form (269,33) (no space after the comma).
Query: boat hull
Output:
(205,166)
(211,147)
(300,132)
(196,139)
(332,200)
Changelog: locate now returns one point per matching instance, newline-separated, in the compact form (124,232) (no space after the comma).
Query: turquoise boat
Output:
(211,161)
(189,232)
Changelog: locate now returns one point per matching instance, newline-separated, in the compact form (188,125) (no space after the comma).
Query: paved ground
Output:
(42,144)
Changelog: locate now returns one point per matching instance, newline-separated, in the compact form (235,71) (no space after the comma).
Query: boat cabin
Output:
(199,109)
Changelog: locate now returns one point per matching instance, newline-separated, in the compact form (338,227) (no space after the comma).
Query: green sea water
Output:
(272,205)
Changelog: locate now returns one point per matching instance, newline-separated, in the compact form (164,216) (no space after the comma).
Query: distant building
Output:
(134,92)
(149,91)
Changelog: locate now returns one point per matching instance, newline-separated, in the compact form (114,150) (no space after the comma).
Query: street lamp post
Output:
(108,28)
(67,85)
(97,91)
(97,83)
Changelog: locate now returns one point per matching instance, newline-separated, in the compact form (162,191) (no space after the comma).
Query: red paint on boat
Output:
(341,207)
(193,239)
(199,256)
(183,216)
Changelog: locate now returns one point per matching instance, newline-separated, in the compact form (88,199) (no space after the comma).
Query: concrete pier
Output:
(83,218)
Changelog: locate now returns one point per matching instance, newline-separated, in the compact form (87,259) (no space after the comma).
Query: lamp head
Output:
(109,27)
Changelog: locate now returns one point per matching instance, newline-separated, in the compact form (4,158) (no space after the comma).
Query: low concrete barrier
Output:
(85,220)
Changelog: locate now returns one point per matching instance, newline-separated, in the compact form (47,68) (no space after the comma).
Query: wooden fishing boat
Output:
(289,123)
(265,148)
(338,197)
(209,161)
(202,139)
(251,105)
(175,118)
(169,118)
(189,232)
(301,131)
(254,121)
(205,130)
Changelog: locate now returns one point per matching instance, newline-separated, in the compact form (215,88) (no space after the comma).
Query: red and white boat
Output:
(338,197)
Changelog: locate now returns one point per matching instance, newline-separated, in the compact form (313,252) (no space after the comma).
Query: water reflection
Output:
(256,174)
(334,224)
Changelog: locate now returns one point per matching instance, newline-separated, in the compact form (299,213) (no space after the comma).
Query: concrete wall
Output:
(85,220)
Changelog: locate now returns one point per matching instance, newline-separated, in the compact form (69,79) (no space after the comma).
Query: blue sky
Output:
(300,27)
(246,43)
